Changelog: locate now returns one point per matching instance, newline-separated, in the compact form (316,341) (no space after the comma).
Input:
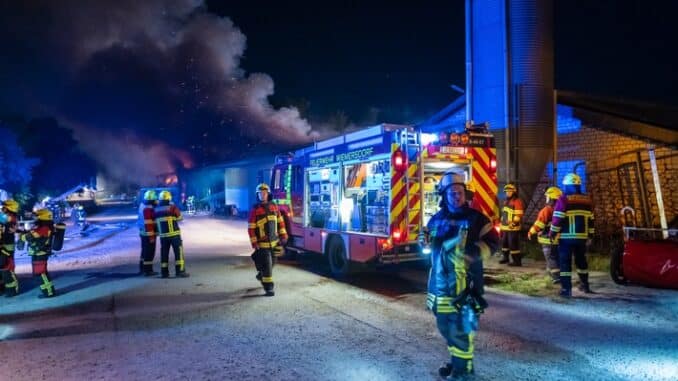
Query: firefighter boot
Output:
(164,270)
(517,260)
(504,257)
(445,370)
(584,284)
(462,369)
(11,284)
(181,272)
(148,269)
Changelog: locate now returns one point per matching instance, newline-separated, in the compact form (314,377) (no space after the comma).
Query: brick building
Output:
(607,142)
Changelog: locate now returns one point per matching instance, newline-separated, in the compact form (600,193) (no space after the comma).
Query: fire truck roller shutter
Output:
(289,254)
(337,256)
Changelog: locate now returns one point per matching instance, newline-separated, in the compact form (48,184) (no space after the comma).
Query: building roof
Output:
(655,123)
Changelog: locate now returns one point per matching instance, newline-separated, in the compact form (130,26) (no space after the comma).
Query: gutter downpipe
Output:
(658,192)
(555,137)
(507,95)
(469,60)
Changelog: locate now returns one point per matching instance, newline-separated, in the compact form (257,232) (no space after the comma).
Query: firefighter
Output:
(573,221)
(267,233)
(8,227)
(39,240)
(167,217)
(147,232)
(459,237)
(511,216)
(541,228)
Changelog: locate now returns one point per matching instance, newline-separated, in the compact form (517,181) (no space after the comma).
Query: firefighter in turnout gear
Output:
(167,217)
(573,221)
(147,232)
(541,228)
(8,227)
(39,240)
(459,237)
(511,218)
(267,233)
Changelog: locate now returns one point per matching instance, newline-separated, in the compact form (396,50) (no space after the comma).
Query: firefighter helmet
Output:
(150,195)
(263,187)
(509,187)
(449,178)
(571,179)
(11,205)
(165,196)
(43,215)
(553,193)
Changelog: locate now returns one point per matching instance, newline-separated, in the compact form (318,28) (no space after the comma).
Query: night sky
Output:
(166,83)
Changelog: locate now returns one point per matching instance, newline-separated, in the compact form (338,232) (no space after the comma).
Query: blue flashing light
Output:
(427,138)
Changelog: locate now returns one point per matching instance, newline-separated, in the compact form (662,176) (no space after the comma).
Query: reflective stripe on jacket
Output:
(7,230)
(542,226)
(167,217)
(146,220)
(449,274)
(573,217)
(39,241)
(266,225)
(512,214)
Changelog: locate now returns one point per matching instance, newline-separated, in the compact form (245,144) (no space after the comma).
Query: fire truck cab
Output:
(364,197)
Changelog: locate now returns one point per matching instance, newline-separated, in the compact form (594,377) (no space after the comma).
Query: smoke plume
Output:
(143,83)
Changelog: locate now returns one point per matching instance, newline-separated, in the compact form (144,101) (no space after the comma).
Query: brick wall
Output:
(609,169)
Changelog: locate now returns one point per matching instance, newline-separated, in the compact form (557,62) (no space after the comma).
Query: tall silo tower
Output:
(509,82)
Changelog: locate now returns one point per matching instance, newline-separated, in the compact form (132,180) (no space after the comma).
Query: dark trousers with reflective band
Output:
(459,344)
(40,270)
(178,248)
(510,243)
(8,279)
(147,253)
(552,261)
(566,249)
(264,261)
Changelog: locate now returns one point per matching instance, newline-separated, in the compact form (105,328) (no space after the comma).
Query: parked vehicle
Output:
(648,256)
(364,197)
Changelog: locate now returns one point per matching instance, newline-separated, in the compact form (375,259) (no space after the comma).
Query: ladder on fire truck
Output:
(413,183)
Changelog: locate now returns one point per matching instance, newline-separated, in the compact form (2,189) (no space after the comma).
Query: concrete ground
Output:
(109,323)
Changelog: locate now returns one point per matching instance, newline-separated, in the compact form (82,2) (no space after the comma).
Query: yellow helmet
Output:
(430,183)
(43,215)
(571,179)
(263,187)
(165,196)
(150,195)
(11,205)
(553,193)
(509,187)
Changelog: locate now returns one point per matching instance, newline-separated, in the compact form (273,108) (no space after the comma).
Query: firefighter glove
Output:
(529,236)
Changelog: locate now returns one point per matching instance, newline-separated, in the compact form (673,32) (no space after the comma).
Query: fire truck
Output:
(365,196)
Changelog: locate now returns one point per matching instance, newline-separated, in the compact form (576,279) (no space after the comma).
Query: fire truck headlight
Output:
(426,250)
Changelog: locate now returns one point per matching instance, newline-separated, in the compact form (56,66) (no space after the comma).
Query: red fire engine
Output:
(364,197)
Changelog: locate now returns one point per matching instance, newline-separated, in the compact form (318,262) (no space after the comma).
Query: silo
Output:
(509,46)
